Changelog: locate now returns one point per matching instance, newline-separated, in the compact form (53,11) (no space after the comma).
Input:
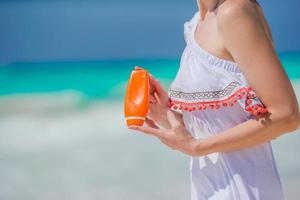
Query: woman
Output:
(230,98)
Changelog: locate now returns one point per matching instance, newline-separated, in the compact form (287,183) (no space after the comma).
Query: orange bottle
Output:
(137,97)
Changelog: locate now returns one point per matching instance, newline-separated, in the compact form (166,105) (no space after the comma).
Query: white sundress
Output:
(213,95)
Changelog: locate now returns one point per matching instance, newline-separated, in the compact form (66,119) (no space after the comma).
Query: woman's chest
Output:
(207,36)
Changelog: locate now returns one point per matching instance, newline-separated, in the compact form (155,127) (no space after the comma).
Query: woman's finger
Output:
(152,99)
(167,143)
(150,114)
(158,87)
(151,123)
(153,80)
(160,92)
(157,98)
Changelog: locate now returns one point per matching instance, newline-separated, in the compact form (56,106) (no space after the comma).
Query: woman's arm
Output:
(244,38)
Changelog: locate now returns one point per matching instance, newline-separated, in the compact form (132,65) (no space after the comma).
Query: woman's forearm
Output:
(247,134)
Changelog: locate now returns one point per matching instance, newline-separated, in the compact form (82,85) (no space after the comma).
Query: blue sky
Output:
(122,29)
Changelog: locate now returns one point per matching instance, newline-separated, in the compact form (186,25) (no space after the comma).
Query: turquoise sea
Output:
(63,136)
(96,79)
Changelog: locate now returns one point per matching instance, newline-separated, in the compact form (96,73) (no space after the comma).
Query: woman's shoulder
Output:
(245,15)
(233,9)
(235,17)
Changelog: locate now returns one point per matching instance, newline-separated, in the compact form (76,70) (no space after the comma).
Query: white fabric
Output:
(247,174)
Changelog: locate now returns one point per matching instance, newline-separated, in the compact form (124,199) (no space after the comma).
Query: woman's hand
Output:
(159,102)
(174,133)
(176,136)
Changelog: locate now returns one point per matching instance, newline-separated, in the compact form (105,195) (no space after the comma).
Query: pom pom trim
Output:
(254,109)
